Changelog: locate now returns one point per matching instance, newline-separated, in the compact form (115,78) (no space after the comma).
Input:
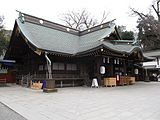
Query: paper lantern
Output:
(136,71)
(102,70)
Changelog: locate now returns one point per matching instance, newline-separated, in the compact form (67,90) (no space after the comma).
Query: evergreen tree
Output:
(149,27)
(125,35)
(4,40)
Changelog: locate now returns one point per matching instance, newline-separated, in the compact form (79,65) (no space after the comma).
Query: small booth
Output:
(7,75)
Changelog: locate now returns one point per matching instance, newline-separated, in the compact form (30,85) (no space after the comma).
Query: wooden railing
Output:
(60,79)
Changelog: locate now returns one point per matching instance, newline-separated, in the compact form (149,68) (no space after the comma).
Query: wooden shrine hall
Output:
(46,50)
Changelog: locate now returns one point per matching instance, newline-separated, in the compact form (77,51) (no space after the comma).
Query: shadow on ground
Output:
(8,114)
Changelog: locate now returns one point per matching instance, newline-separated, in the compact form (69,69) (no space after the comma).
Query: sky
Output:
(52,10)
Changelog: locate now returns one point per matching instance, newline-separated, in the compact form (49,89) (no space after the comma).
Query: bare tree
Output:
(156,8)
(104,17)
(82,20)
(149,27)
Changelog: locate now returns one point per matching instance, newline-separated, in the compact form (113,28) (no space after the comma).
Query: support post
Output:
(61,83)
(50,82)
(146,76)
(48,66)
(157,61)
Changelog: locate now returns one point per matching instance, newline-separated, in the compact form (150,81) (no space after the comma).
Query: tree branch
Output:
(104,17)
(81,20)
(156,11)
(141,15)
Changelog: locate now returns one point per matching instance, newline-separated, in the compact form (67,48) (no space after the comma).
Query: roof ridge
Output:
(97,27)
(53,25)
(39,18)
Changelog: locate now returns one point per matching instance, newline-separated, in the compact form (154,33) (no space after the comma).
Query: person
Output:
(95,82)
(44,84)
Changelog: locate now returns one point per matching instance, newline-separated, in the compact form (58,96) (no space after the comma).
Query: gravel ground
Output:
(140,101)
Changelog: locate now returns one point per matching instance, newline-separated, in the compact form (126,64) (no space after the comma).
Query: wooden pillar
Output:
(157,61)
(146,76)
(124,66)
(112,67)
(97,72)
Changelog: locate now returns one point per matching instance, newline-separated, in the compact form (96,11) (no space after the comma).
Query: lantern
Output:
(136,71)
(102,70)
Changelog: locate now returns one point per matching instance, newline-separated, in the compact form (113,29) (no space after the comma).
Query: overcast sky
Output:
(52,9)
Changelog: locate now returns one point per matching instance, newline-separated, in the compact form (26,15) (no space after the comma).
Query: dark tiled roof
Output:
(51,36)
